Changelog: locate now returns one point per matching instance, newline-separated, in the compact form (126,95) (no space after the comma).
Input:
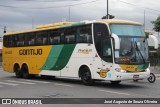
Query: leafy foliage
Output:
(148,33)
(156,24)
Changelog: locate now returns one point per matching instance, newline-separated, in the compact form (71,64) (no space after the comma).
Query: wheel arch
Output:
(20,65)
(80,70)
(24,64)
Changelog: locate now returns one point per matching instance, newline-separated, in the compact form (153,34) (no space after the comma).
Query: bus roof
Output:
(69,24)
(111,21)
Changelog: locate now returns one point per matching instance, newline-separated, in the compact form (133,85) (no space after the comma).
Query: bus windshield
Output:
(133,45)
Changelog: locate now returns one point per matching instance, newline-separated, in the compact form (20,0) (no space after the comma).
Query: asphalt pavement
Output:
(12,87)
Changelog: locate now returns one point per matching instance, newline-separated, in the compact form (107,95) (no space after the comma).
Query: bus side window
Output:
(69,35)
(10,41)
(84,34)
(54,37)
(19,40)
(62,38)
(30,39)
(41,38)
(5,41)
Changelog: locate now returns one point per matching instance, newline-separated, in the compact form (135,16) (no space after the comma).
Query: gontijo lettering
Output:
(30,52)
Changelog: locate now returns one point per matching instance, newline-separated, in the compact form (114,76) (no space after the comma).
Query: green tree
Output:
(156,24)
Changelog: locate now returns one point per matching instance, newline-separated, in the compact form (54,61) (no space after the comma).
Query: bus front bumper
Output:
(131,76)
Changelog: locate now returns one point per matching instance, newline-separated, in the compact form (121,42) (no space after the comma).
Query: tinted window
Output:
(10,41)
(42,38)
(100,32)
(103,42)
(30,39)
(20,39)
(84,34)
(5,41)
(54,37)
(69,35)
(79,34)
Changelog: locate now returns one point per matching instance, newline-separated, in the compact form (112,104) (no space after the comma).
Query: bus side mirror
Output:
(152,42)
(116,41)
(147,36)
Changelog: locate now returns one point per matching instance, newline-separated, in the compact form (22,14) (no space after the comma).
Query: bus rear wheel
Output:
(17,71)
(25,72)
(86,77)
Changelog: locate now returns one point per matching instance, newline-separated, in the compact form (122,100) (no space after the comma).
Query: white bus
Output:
(112,50)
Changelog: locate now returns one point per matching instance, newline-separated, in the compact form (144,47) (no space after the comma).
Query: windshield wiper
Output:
(138,50)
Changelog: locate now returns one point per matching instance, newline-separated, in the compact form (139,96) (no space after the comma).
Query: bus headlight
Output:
(120,70)
(147,70)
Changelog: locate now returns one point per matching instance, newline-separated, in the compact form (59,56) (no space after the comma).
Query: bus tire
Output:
(25,72)
(152,78)
(86,77)
(115,82)
(17,71)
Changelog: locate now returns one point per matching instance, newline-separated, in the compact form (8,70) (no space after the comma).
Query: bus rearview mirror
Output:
(116,41)
(152,41)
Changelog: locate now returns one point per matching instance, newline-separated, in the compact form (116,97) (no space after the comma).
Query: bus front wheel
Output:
(152,78)
(86,77)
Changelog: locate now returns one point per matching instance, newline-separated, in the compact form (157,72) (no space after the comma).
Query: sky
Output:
(19,15)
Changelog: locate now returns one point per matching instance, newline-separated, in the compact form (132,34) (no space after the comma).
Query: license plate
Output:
(135,76)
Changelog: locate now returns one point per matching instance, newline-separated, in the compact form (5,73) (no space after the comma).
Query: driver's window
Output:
(102,42)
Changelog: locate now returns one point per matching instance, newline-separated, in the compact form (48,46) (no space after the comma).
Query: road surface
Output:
(12,87)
